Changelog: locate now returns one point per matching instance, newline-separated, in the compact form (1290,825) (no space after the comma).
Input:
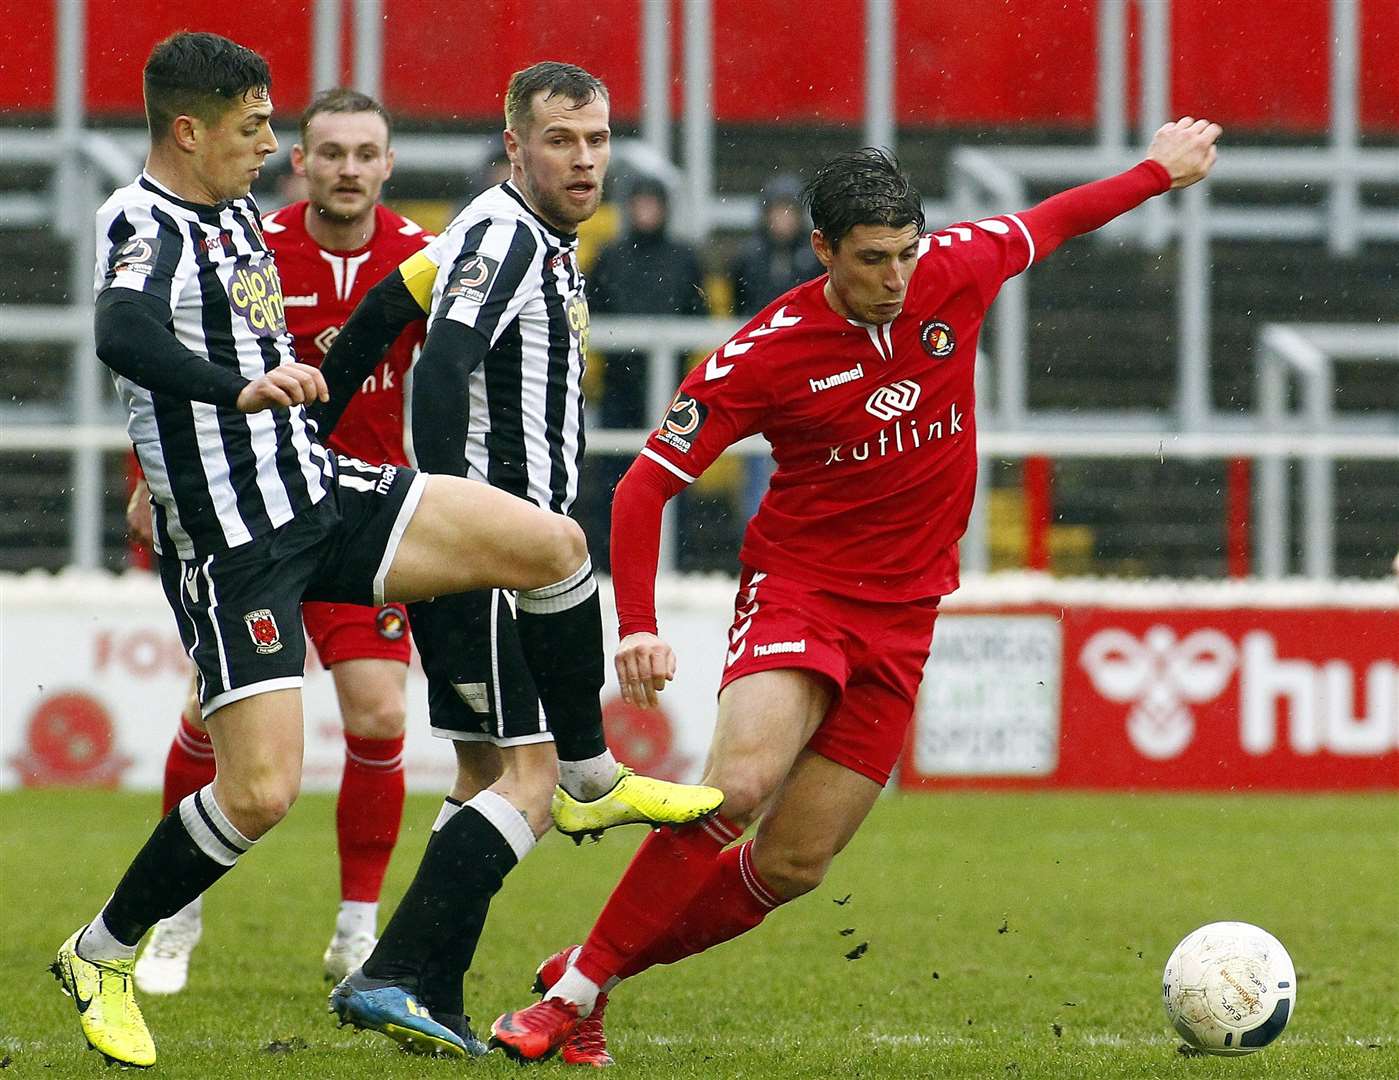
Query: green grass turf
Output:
(1009,936)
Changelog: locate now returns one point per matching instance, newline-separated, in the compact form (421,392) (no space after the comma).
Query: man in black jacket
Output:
(643,272)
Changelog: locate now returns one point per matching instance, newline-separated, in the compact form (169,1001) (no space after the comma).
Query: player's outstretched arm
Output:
(1181,153)
(1186,149)
(644,662)
(375,324)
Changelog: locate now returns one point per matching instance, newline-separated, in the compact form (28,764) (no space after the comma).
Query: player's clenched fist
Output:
(283,387)
(645,664)
(1186,148)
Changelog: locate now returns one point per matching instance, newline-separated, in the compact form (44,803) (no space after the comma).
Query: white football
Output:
(1229,988)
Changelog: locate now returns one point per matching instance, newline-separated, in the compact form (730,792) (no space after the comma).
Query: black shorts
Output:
(239,611)
(479,687)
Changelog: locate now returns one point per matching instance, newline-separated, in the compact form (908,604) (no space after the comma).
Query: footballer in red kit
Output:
(863,383)
(330,249)
(328,285)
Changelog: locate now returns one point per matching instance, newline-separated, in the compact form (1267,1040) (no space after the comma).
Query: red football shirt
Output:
(320,289)
(872,427)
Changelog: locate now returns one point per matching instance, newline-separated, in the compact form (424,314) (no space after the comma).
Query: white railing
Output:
(994,181)
(1307,351)
(981,180)
(1323,439)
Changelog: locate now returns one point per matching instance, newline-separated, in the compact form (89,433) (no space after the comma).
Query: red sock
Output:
(732,901)
(667,870)
(368,814)
(188,766)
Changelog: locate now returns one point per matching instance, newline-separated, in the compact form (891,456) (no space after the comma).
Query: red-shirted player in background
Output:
(862,381)
(330,249)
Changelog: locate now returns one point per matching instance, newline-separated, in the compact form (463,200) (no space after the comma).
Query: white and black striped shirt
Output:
(505,273)
(219,478)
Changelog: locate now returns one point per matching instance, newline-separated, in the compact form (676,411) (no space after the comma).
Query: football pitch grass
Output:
(1003,936)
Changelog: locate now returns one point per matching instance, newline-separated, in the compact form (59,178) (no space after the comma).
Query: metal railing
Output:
(993,181)
(980,181)
(1307,350)
(662,340)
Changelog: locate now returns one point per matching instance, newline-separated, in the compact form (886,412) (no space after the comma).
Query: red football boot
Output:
(551,970)
(536,1033)
(588,1044)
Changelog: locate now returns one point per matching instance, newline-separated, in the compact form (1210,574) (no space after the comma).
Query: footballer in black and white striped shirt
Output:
(497,397)
(513,277)
(505,406)
(219,477)
(252,514)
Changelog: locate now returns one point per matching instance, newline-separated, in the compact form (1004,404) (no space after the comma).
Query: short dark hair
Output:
(198,74)
(861,187)
(343,100)
(578,86)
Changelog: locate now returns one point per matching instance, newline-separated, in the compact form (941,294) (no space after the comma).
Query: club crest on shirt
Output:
(471,278)
(255,292)
(262,628)
(136,256)
(390,623)
(937,338)
(682,423)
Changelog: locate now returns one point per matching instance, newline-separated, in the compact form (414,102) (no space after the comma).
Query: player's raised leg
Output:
(560,632)
(464,536)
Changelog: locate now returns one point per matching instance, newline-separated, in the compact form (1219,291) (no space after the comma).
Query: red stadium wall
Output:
(992,62)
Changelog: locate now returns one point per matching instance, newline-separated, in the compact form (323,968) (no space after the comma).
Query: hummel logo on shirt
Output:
(840,378)
(779,647)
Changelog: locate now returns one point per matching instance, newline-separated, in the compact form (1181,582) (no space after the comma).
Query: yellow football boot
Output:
(633,800)
(111,1020)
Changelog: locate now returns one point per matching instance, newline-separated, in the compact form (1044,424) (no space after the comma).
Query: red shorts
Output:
(357,632)
(874,652)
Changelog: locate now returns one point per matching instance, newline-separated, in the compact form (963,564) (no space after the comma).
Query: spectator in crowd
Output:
(776,258)
(643,272)
(779,255)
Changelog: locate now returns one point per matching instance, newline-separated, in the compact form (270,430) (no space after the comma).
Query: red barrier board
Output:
(1174,699)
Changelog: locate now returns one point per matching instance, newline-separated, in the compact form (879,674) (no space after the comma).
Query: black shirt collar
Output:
(510,189)
(204,210)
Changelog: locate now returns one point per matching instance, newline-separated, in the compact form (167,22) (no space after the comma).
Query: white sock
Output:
(191,912)
(576,987)
(450,806)
(509,820)
(97,943)
(357,917)
(590,778)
